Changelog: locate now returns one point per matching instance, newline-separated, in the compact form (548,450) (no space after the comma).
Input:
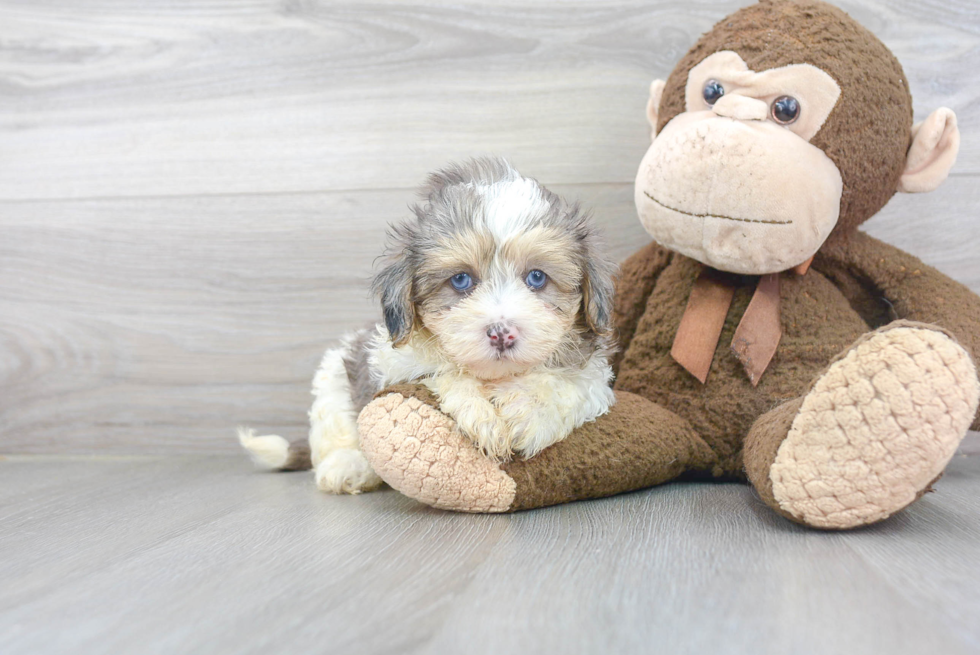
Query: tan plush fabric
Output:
(691,192)
(414,448)
(935,144)
(817,91)
(859,136)
(876,428)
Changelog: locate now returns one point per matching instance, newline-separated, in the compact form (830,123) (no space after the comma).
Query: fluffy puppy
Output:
(496,298)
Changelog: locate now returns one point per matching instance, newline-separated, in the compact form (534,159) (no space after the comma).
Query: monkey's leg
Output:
(872,433)
(414,448)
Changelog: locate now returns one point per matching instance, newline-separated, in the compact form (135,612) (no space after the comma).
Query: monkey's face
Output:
(734,181)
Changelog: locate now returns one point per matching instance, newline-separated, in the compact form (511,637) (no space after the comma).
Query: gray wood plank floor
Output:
(203,555)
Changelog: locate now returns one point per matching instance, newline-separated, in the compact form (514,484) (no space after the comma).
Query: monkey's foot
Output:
(874,431)
(415,449)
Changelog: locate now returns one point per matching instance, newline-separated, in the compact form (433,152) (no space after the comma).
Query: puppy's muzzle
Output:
(502,337)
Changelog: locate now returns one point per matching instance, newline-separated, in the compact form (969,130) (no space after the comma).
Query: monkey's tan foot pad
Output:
(876,429)
(416,450)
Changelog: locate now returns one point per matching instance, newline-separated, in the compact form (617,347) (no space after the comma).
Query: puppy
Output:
(496,298)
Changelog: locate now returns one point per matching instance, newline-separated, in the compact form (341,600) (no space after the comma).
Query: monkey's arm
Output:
(915,291)
(634,284)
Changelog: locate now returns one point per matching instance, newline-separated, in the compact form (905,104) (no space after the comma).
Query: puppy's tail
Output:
(275,453)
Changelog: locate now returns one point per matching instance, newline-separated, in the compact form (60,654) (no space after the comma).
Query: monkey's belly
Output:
(818,324)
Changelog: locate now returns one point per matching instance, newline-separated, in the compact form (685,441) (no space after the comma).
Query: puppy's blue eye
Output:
(461,281)
(536,279)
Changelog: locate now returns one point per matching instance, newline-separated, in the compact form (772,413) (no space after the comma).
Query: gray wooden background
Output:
(192,193)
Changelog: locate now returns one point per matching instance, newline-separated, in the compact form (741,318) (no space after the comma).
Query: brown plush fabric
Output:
(634,282)
(411,391)
(723,410)
(636,445)
(868,132)
(761,444)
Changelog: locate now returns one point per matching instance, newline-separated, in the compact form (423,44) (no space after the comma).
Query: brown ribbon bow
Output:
(756,336)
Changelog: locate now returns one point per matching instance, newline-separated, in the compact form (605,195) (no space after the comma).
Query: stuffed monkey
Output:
(763,337)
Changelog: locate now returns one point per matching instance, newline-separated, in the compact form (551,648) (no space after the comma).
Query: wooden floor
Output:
(202,555)
(192,197)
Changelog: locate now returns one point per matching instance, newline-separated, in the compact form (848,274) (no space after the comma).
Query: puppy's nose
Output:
(502,336)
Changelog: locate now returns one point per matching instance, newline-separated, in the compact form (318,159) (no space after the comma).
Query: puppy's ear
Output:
(394,286)
(597,281)
(597,296)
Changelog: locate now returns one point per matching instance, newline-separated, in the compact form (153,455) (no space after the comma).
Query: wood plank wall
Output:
(192,193)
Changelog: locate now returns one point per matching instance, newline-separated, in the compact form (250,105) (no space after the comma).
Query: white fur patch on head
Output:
(511,206)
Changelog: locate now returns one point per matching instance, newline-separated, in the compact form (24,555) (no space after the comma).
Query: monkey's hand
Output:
(417,449)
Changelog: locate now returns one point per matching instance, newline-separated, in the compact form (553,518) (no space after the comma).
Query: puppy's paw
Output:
(538,431)
(533,423)
(346,471)
(535,427)
(478,420)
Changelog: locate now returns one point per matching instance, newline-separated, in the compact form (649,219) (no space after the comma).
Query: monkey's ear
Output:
(935,143)
(653,106)
(394,285)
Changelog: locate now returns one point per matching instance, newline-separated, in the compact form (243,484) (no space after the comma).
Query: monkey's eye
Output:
(712,91)
(785,110)
(461,282)
(536,279)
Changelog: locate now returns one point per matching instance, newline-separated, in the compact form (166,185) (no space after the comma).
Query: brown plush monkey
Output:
(763,337)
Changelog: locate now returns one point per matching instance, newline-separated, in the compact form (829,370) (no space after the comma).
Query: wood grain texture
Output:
(192,194)
(118,98)
(162,323)
(157,325)
(202,555)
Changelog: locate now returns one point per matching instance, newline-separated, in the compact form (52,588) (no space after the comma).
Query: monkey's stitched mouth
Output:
(727,218)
